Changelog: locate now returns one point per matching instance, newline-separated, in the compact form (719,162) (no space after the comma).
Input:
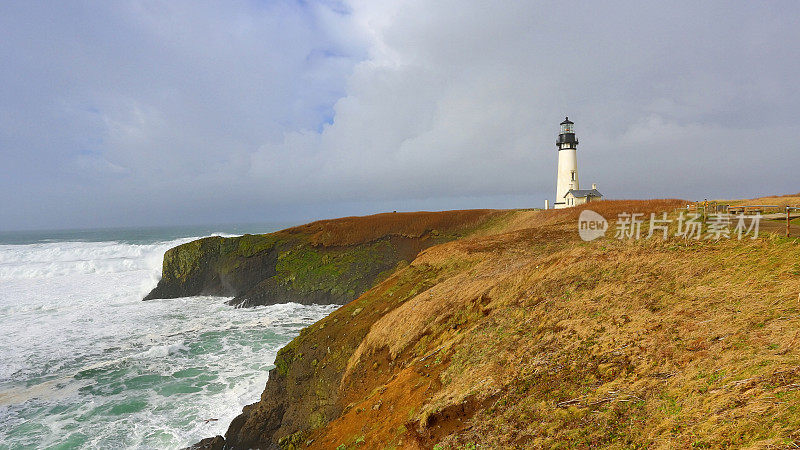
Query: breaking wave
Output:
(91,364)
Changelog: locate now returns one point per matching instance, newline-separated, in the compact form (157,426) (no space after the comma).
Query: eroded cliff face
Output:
(305,390)
(528,337)
(326,262)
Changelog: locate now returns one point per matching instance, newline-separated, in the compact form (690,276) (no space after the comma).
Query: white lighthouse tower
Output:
(568,190)
(567,163)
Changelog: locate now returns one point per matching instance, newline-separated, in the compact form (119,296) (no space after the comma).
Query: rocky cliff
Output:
(520,335)
(325,262)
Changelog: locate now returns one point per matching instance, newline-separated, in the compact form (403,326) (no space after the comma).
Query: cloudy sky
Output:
(166,112)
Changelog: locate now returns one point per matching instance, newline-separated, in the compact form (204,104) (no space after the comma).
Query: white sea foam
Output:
(80,347)
(160,351)
(67,258)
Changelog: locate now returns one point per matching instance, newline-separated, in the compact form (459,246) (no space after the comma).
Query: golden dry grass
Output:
(540,340)
(357,230)
(778,200)
(662,345)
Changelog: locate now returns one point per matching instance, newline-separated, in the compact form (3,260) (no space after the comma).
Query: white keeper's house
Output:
(568,190)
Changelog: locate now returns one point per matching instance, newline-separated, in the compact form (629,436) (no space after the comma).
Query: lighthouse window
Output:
(573,175)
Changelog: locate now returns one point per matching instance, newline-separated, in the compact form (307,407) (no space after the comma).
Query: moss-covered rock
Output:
(327,262)
(303,390)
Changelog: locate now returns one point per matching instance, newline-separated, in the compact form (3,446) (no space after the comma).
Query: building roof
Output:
(566,120)
(578,193)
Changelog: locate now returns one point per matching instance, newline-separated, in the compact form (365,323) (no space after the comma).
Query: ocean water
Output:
(84,363)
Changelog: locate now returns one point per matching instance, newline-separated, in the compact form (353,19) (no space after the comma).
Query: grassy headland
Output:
(520,335)
(324,262)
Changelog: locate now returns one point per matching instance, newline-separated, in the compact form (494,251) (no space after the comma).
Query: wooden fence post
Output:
(787,221)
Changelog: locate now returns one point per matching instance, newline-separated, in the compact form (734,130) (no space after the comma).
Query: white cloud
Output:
(463,98)
(235,107)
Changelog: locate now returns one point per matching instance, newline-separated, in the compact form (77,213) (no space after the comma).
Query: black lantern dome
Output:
(567,137)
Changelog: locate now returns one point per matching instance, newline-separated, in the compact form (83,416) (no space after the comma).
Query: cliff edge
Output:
(523,336)
(324,262)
